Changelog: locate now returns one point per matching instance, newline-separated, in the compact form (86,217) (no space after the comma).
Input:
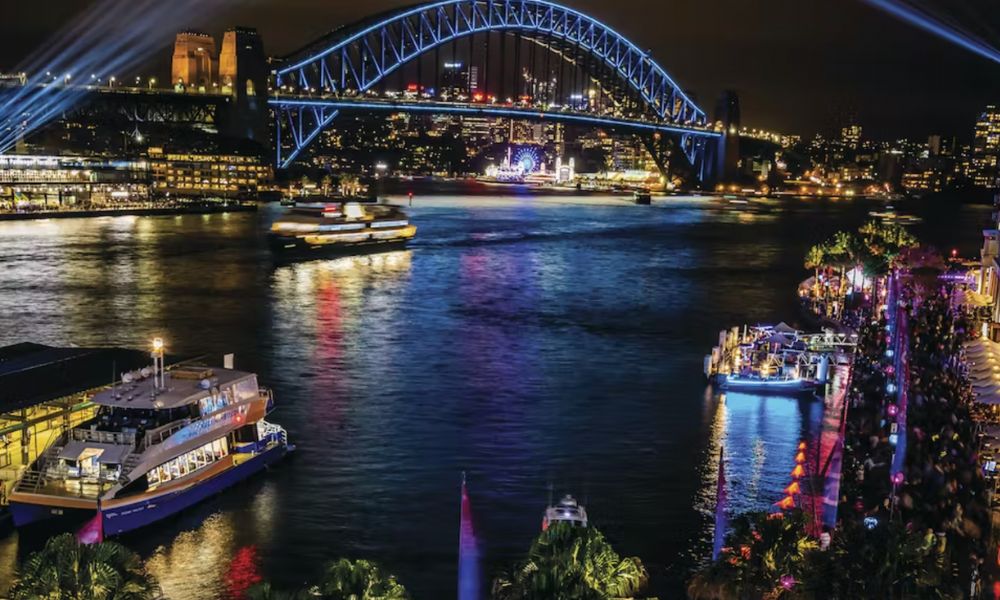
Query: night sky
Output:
(800,66)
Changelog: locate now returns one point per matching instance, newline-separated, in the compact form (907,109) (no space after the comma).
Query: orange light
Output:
(802,445)
(798,471)
(793,489)
(800,457)
(787,503)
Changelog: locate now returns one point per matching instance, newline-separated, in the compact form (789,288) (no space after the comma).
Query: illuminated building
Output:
(456,82)
(207,174)
(850,136)
(194,64)
(70,181)
(986,148)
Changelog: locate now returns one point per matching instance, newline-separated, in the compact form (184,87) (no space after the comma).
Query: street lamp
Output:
(158,376)
(111,81)
(152,82)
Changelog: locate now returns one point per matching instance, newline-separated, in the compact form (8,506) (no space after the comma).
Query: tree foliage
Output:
(67,570)
(572,563)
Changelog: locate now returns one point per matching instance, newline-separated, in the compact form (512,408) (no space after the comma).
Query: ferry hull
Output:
(799,387)
(28,514)
(128,517)
(297,248)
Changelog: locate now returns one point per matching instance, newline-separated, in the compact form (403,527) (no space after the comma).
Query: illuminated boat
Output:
(766,385)
(317,228)
(567,510)
(161,441)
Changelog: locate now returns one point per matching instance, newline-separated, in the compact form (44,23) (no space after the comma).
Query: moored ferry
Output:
(340,228)
(161,441)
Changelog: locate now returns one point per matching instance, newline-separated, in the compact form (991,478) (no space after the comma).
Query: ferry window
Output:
(153,476)
(246,389)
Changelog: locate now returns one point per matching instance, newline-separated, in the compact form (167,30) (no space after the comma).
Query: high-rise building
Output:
(455,81)
(934,145)
(194,64)
(850,136)
(986,148)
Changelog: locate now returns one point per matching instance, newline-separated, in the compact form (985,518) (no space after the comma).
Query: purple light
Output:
(787,582)
(893,410)
(898,478)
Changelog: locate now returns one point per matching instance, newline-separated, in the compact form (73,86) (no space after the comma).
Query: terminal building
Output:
(62,182)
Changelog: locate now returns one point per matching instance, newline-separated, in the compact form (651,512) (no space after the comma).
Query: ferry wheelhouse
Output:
(161,441)
(567,510)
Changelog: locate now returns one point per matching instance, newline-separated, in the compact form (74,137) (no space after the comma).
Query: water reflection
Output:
(216,555)
(761,435)
(526,340)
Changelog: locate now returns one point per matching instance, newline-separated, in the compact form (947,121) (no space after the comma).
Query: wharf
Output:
(46,390)
(141,211)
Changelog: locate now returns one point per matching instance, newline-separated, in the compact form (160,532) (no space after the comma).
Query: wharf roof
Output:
(31,374)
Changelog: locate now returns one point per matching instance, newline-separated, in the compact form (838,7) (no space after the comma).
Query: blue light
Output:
(519,8)
(528,158)
(871,523)
(96,43)
(939,29)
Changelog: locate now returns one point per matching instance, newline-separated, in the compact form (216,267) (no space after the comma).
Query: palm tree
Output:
(359,580)
(65,569)
(816,259)
(573,563)
(843,248)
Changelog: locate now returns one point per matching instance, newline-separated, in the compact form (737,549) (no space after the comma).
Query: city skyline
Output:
(818,68)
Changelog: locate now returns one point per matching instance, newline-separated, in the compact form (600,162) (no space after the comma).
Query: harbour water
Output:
(530,341)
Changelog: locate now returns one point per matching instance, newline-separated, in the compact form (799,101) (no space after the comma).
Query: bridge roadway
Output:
(492,110)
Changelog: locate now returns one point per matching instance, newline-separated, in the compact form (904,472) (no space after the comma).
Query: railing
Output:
(160,434)
(119,438)
(267,394)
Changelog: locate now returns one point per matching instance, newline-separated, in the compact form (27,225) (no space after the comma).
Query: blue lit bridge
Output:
(524,59)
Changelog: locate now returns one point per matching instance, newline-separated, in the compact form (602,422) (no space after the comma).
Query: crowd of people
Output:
(921,528)
(940,493)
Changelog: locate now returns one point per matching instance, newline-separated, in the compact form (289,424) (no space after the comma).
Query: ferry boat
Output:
(567,510)
(766,385)
(161,441)
(340,228)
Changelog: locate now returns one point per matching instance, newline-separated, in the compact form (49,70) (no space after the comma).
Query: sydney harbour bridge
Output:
(523,59)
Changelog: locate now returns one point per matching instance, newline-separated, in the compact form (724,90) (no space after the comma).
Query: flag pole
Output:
(721,522)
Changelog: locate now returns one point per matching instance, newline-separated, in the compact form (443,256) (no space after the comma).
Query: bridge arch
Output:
(352,60)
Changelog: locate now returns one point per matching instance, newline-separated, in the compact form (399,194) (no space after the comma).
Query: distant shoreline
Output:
(197,209)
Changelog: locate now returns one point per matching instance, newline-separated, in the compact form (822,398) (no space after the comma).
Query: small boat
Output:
(766,385)
(567,510)
(338,228)
(642,198)
(161,442)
